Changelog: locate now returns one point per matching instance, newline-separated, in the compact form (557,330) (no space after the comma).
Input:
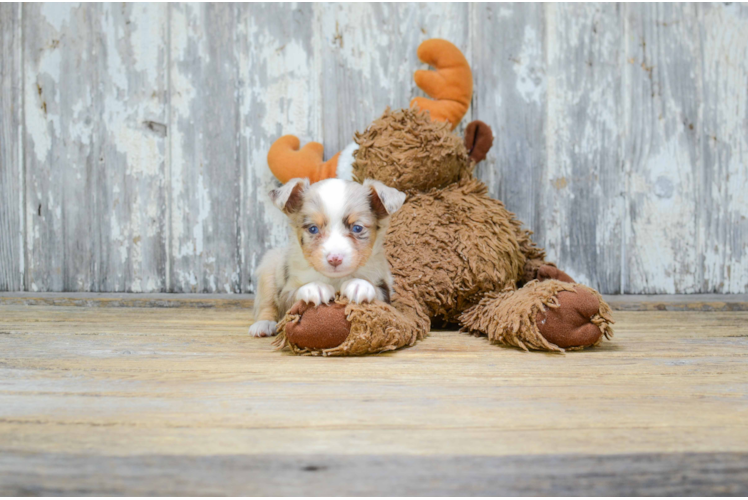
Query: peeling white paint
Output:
(725,47)
(288,87)
(147,38)
(116,69)
(40,99)
(663,233)
(530,78)
(665,227)
(58,14)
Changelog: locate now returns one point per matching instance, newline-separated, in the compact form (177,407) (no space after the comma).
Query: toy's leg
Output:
(539,269)
(536,267)
(551,315)
(346,329)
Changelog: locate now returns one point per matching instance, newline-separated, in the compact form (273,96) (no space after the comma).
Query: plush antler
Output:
(451,85)
(287,161)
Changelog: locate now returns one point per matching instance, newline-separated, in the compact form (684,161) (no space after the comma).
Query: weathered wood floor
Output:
(181,401)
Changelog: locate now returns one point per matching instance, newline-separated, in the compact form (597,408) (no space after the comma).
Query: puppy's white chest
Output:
(300,276)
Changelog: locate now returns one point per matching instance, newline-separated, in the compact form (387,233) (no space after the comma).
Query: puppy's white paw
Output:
(358,291)
(316,293)
(263,328)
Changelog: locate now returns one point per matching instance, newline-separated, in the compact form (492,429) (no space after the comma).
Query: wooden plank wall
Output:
(133,136)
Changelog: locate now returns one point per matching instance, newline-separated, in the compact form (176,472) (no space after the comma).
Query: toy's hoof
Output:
(321,327)
(570,324)
(553,273)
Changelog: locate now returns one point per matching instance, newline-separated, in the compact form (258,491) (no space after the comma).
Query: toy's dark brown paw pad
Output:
(553,273)
(570,324)
(321,327)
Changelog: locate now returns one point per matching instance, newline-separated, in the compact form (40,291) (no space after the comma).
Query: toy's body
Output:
(457,255)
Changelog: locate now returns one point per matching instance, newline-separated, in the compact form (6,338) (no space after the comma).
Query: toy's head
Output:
(414,149)
(408,150)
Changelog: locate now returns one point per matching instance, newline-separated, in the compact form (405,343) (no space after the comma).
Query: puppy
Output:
(339,228)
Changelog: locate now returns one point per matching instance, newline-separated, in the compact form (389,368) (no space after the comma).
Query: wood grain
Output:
(87,299)
(510,96)
(12,211)
(144,385)
(582,190)
(664,160)
(206,176)
(133,155)
(130,181)
(62,151)
(723,217)
(95,123)
(280,94)
(662,474)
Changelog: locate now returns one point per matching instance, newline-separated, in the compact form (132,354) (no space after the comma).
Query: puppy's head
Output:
(337,222)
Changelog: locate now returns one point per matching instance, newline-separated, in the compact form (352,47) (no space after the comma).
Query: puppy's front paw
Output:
(316,293)
(263,328)
(358,291)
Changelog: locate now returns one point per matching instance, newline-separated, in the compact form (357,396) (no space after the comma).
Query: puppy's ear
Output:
(385,201)
(289,196)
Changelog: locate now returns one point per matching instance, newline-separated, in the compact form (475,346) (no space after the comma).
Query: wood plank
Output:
(368,56)
(181,393)
(95,109)
(205,176)
(663,150)
(581,194)
(201,300)
(130,210)
(723,213)
(379,475)
(693,302)
(165,372)
(61,150)
(280,94)
(12,229)
(509,71)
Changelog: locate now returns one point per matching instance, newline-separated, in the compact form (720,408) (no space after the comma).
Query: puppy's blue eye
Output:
(313,229)
(357,229)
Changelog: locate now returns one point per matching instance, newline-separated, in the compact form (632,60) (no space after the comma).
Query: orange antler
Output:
(451,85)
(287,161)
